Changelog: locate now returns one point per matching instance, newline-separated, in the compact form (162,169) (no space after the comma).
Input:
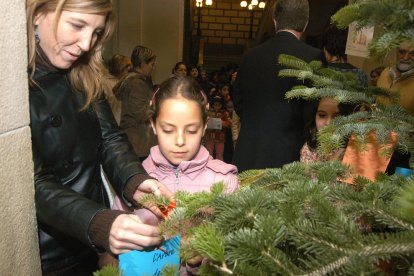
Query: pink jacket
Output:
(196,175)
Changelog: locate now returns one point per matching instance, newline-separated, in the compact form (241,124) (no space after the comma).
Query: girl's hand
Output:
(155,187)
(129,233)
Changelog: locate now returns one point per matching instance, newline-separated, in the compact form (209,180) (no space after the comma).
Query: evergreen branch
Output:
(246,178)
(278,263)
(331,267)
(340,95)
(395,17)
(411,271)
(366,251)
(398,223)
(299,74)
(254,202)
(294,62)
(223,268)
(406,200)
(108,270)
(271,178)
(346,15)
(209,242)
(387,249)
(327,244)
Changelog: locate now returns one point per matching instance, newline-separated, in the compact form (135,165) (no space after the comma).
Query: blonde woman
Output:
(73,133)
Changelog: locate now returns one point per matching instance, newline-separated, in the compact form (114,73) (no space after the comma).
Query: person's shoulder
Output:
(384,79)
(259,49)
(135,77)
(310,49)
(221,167)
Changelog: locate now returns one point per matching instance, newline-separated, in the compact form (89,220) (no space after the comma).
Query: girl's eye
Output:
(192,131)
(167,131)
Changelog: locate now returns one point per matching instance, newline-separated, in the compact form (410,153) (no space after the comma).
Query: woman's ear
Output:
(153,126)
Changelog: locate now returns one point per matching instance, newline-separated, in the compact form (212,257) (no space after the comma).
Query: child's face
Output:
(217,106)
(224,91)
(374,78)
(327,110)
(179,128)
(194,72)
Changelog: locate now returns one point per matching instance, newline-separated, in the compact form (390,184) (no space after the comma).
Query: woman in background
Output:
(179,69)
(135,92)
(119,66)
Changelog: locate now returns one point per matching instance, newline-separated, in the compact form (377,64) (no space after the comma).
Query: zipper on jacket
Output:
(177,176)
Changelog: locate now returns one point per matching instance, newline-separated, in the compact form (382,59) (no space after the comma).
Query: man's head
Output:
(405,57)
(291,15)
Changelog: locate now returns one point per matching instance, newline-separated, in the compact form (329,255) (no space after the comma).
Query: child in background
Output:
(215,137)
(179,111)
(374,75)
(326,110)
(224,91)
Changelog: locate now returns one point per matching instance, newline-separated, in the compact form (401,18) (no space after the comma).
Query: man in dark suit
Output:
(272,129)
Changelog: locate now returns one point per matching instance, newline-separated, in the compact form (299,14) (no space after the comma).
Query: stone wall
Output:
(18,235)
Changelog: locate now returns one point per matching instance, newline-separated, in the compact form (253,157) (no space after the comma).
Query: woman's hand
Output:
(152,186)
(129,233)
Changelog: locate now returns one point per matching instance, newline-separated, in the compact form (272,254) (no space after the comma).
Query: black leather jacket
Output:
(69,146)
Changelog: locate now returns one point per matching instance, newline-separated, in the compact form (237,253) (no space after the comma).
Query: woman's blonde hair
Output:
(88,74)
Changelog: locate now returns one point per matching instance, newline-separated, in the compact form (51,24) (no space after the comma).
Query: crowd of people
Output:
(181,135)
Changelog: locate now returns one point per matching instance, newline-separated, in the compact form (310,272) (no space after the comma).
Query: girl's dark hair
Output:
(186,87)
(310,128)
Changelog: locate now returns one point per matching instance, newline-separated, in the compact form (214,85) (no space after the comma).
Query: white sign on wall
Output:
(358,40)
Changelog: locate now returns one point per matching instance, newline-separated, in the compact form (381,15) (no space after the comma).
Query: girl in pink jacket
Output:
(179,111)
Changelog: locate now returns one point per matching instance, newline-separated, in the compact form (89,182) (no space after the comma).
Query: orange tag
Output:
(168,210)
(367,163)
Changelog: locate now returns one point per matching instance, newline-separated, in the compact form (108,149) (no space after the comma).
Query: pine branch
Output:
(395,17)
(405,201)
(329,268)
(209,242)
(296,63)
(109,270)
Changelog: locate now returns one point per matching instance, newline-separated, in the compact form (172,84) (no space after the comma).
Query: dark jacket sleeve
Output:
(119,161)
(63,207)
(68,211)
